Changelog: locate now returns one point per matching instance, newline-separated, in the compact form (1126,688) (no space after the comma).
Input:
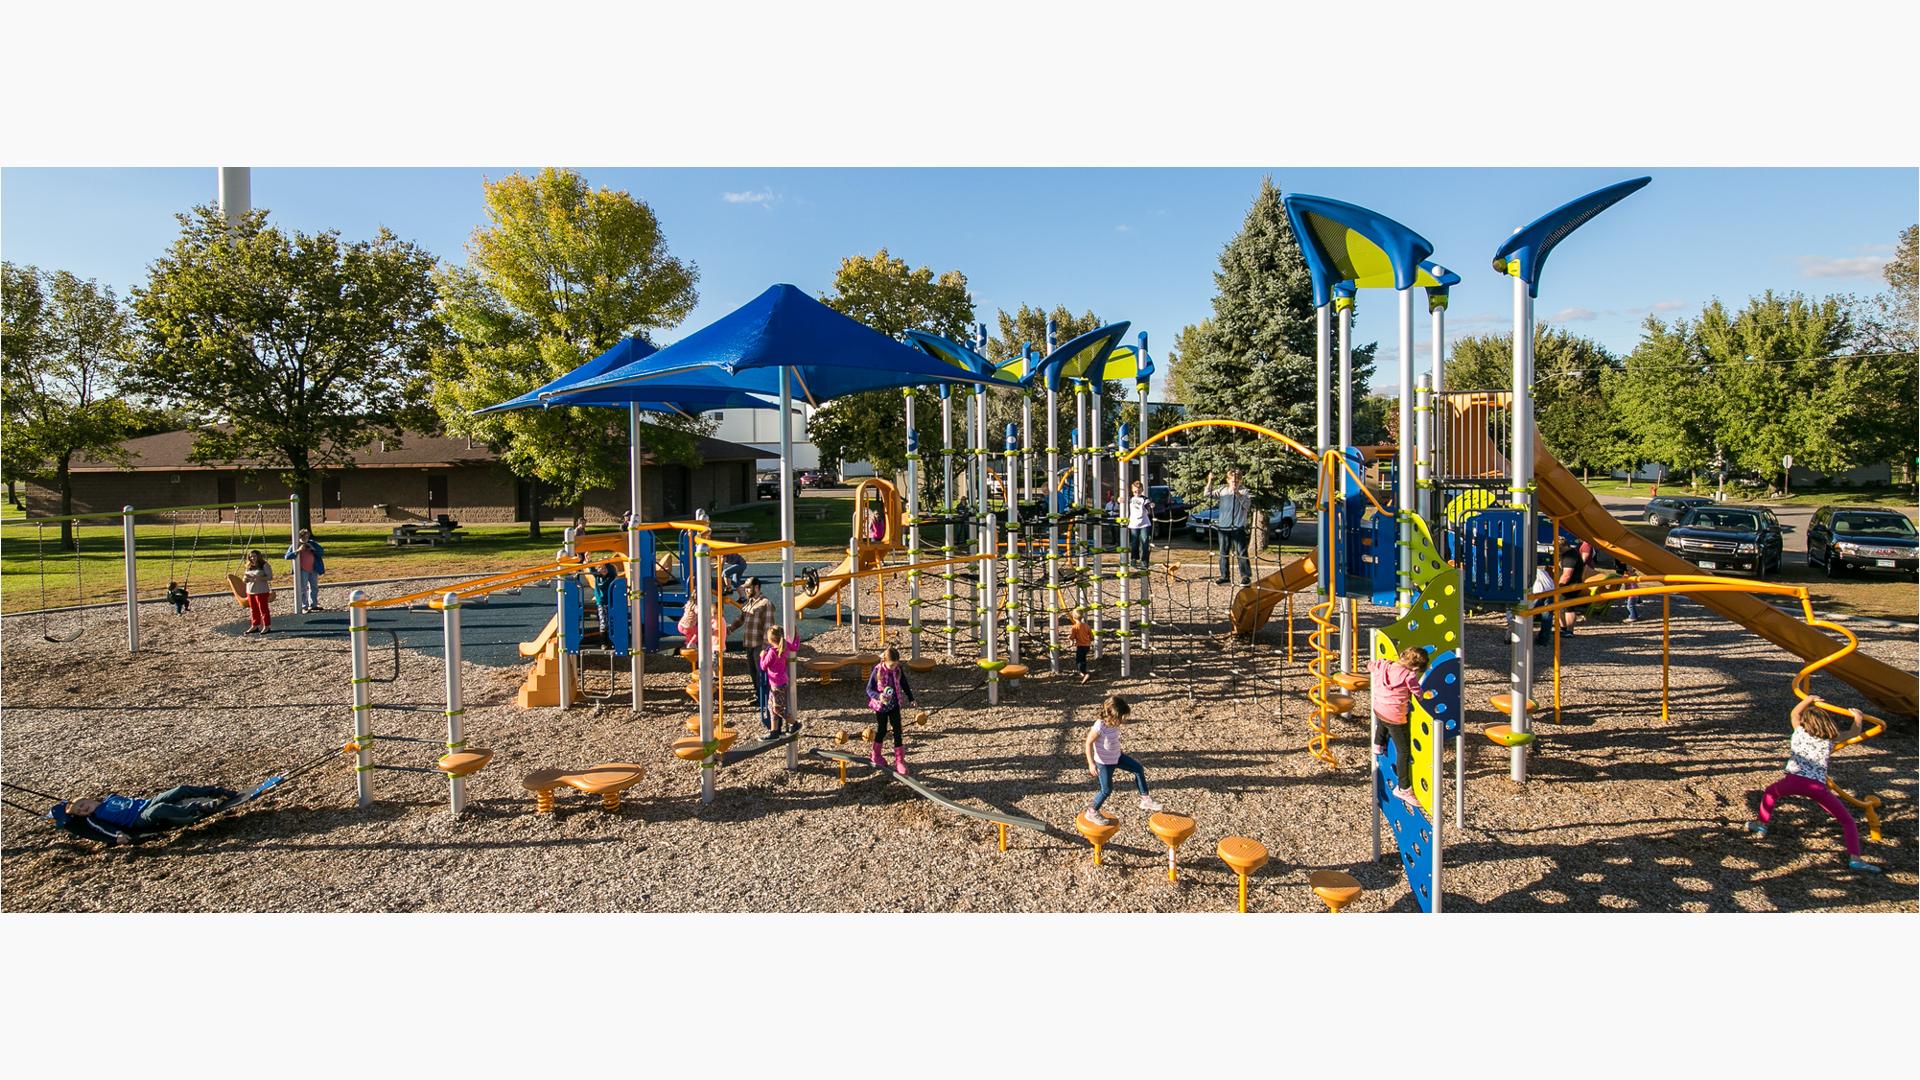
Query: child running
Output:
(1082,637)
(1394,682)
(1104,756)
(772,664)
(1808,751)
(887,687)
(258,579)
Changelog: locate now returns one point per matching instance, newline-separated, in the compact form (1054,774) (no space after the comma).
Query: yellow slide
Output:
(1564,497)
(831,582)
(1253,605)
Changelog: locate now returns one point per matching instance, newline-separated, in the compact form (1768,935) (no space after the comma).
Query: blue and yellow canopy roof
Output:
(1344,242)
(1524,254)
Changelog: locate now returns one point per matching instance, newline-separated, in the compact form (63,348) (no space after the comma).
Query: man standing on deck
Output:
(1230,525)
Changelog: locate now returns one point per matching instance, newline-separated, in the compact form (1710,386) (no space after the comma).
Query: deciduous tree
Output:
(64,349)
(294,349)
(560,273)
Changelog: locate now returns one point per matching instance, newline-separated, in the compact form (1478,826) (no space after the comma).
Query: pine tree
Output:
(1254,360)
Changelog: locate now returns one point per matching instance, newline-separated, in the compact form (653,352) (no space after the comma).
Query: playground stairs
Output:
(541,690)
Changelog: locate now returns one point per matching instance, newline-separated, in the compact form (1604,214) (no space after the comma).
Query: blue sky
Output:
(1137,244)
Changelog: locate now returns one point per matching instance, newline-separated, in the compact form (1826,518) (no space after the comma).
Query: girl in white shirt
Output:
(1814,734)
(1104,756)
(1139,523)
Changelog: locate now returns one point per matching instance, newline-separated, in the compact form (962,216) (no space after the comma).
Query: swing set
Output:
(248,531)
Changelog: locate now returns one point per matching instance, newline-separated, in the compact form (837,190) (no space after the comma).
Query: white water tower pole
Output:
(235,194)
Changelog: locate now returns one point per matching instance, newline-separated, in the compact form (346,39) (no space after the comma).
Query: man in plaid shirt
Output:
(756,616)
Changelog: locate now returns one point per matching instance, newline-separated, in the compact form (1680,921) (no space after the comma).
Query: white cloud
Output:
(1667,305)
(764,197)
(1843,266)
(1123,228)
(1573,314)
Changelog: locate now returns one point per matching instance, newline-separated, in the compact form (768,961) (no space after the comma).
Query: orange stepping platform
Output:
(1244,856)
(607,781)
(1173,830)
(1335,888)
(1096,833)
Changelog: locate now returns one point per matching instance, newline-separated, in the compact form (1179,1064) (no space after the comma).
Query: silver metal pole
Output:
(130,557)
(948,573)
(1026,482)
(636,640)
(913,530)
(1097,502)
(789,618)
(1146,486)
(293,537)
(1345,306)
(1322,421)
(1519,632)
(362,699)
(982,538)
(1438,736)
(1053,530)
(1373,766)
(1423,449)
(1012,621)
(1404,504)
(1125,562)
(703,658)
(560,639)
(990,627)
(456,707)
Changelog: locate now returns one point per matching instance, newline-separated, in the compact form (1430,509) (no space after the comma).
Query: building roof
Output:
(168,452)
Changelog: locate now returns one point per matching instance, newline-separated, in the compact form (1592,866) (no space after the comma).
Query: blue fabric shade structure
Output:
(829,354)
(1344,242)
(955,355)
(1524,254)
(1087,358)
(660,399)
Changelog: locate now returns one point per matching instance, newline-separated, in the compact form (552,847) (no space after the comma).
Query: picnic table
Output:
(432,534)
(815,512)
(738,532)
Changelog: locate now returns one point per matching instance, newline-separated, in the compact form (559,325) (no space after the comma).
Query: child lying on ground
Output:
(117,819)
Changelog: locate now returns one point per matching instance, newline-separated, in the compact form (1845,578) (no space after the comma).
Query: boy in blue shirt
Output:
(117,819)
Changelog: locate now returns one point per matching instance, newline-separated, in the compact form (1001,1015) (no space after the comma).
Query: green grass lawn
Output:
(353,553)
(1895,496)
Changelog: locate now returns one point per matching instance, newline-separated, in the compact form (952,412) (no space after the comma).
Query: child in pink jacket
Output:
(773,660)
(1393,684)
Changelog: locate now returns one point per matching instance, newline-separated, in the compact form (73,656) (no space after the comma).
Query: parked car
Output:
(1279,523)
(1169,510)
(810,478)
(1843,538)
(1728,538)
(767,486)
(1666,509)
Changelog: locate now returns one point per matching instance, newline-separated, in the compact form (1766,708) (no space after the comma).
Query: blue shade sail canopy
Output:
(1344,242)
(829,354)
(1085,357)
(956,355)
(659,399)
(1524,255)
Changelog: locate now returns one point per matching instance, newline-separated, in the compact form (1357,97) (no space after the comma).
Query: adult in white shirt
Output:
(1235,505)
(1139,523)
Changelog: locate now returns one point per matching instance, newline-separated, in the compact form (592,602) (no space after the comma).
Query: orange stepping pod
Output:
(1347,680)
(922,665)
(1173,830)
(463,762)
(606,780)
(1096,833)
(1244,856)
(692,749)
(1508,737)
(1503,702)
(1335,888)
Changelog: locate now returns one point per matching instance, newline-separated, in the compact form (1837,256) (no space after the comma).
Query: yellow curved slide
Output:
(1253,605)
(831,582)
(1563,496)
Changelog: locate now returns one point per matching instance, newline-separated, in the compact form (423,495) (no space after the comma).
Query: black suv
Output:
(1728,538)
(1667,509)
(1844,538)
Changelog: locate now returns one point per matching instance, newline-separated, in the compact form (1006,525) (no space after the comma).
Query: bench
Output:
(431,535)
(738,532)
(811,513)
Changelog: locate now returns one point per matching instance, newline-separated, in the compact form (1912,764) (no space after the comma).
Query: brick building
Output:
(414,479)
